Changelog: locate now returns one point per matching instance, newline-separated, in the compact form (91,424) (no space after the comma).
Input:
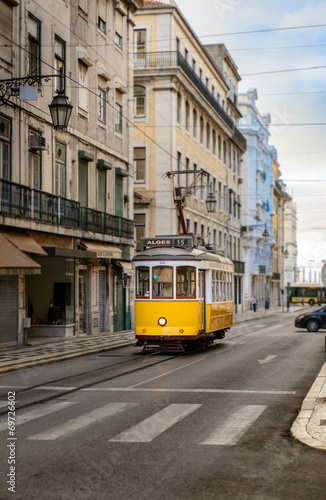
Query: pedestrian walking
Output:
(254,303)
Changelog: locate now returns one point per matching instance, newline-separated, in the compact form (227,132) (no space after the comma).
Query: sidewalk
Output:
(309,427)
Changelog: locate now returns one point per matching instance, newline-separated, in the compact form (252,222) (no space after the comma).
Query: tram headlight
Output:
(162,321)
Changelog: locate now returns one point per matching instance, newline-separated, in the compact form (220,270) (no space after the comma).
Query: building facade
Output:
(66,196)
(185,121)
(258,202)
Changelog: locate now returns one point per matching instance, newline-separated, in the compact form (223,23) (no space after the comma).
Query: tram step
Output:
(163,347)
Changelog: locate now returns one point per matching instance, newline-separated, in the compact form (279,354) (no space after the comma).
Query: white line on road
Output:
(229,433)
(151,427)
(212,391)
(75,424)
(41,411)
(266,360)
(166,373)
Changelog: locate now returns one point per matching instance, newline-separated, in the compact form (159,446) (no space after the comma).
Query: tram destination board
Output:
(167,241)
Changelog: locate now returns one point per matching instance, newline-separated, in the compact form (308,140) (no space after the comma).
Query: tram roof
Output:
(175,253)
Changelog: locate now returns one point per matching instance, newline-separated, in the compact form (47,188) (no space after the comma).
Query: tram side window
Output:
(142,282)
(217,283)
(223,285)
(163,282)
(213,286)
(186,282)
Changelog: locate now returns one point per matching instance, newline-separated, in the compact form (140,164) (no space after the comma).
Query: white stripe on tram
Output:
(151,427)
(229,432)
(75,424)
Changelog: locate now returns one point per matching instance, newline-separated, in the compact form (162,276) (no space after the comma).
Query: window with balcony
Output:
(140,46)
(60,169)
(34,46)
(101,189)
(5,148)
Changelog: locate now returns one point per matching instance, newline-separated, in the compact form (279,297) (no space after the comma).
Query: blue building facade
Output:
(258,209)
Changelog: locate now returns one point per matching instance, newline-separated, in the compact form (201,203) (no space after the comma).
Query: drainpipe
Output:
(21,74)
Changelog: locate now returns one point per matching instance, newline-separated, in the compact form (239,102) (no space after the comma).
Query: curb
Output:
(310,425)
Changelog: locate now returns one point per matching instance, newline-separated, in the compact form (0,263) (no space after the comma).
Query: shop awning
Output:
(24,242)
(13,261)
(102,251)
(126,266)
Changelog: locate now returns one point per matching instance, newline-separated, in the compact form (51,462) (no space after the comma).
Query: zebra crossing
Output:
(227,432)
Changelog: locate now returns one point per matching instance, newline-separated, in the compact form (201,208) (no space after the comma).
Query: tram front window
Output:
(186,285)
(143,282)
(163,282)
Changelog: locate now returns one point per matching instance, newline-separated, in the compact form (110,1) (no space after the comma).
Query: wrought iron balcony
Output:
(159,60)
(24,202)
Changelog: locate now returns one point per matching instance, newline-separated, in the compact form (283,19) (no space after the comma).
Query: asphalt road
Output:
(213,424)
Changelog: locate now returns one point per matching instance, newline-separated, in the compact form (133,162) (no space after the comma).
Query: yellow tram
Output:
(184,295)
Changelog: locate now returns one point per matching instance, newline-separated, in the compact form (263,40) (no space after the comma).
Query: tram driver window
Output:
(142,282)
(186,286)
(163,281)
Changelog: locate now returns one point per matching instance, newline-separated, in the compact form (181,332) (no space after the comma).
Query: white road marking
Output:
(266,360)
(55,388)
(212,391)
(151,427)
(166,373)
(75,424)
(40,411)
(229,433)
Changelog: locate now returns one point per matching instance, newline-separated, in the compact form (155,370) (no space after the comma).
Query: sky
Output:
(296,99)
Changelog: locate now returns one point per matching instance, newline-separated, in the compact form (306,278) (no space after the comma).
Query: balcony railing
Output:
(27,203)
(169,59)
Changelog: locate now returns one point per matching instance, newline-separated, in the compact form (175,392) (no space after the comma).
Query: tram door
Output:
(201,301)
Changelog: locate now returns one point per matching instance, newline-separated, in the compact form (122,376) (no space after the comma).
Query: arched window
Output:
(194,122)
(219,147)
(201,130)
(214,141)
(208,135)
(224,152)
(187,116)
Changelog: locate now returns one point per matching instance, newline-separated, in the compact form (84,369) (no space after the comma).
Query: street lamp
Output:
(60,108)
(211,201)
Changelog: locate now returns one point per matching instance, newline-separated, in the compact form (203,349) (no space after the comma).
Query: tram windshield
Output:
(143,282)
(163,281)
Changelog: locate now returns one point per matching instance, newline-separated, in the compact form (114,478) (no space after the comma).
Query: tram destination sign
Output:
(167,241)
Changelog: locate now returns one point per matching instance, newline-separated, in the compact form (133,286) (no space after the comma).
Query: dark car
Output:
(312,320)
